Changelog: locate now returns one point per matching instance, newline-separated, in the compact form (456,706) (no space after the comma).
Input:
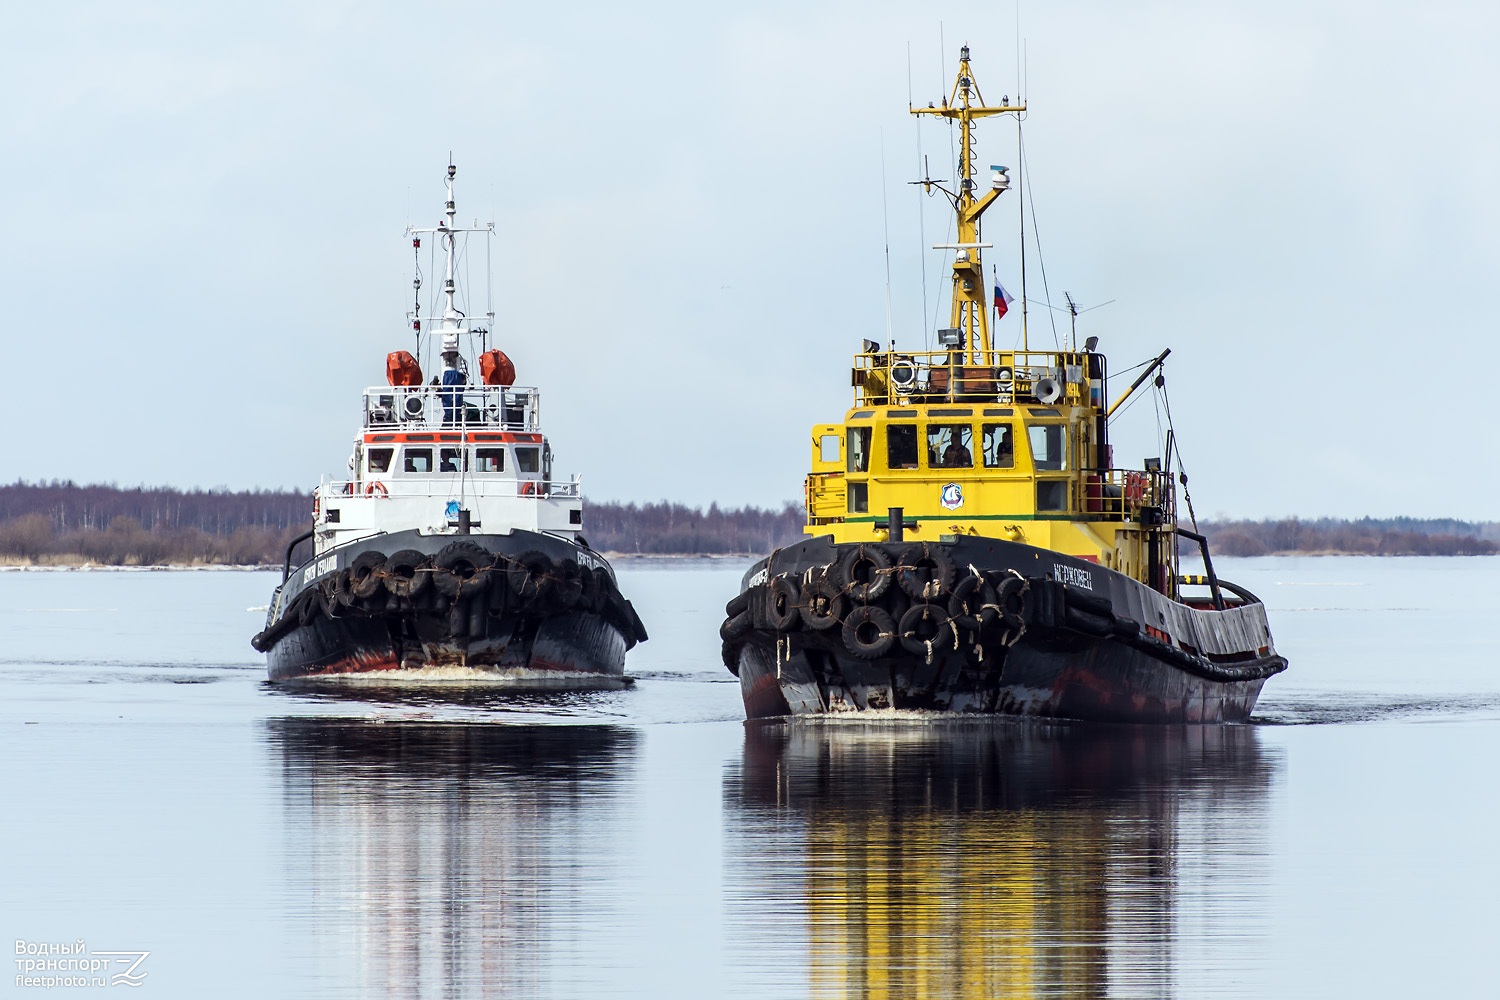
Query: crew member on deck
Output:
(453,400)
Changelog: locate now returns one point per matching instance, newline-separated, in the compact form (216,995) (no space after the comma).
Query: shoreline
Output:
(637,558)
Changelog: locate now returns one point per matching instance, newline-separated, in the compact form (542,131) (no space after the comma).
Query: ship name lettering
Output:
(325,565)
(1073,576)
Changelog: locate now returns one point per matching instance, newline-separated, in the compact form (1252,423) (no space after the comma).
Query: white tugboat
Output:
(451,552)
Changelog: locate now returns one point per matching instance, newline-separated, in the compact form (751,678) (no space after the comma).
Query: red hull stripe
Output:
(479,437)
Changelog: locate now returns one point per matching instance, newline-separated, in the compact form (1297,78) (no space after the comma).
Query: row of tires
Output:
(917,600)
(465,581)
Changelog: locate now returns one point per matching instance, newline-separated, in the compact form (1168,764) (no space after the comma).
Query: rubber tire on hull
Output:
(973,604)
(781,599)
(864,573)
(364,574)
(925,629)
(925,571)
(869,632)
(462,569)
(405,573)
(823,605)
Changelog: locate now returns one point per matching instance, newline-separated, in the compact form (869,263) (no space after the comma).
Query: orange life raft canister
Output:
(402,369)
(496,369)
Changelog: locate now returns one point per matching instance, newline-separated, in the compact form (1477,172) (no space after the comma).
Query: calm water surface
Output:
(157,796)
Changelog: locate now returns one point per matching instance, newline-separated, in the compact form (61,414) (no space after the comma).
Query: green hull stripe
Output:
(983,517)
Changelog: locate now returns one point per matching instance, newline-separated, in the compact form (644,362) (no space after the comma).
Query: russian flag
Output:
(1003,299)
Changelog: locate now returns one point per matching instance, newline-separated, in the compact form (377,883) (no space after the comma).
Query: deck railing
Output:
(1126,493)
(992,376)
(451,484)
(473,407)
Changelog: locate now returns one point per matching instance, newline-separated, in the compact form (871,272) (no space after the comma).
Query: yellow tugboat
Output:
(973,547)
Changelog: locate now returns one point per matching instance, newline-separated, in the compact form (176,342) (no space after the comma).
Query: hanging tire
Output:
(588,595)
(308,607)
(364,574)
(342,595)
(530,577)
(925,571)
(823,605)
(781,600)
(869,631)
(1010,598)
(864,573)
(736,628)
(406,574)
(739,602)
(568,588)
(462,569)
(973,603)
(925,628)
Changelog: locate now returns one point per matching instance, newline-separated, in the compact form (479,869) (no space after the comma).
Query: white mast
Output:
(451,322)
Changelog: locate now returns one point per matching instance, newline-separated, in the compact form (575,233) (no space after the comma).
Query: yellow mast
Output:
(970,309)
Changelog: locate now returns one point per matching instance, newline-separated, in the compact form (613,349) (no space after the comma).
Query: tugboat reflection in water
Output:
(456,856)
(995,858)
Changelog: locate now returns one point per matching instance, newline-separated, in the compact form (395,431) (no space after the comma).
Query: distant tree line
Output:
(68,523)
(1395,536)
(65,523)
(675,529)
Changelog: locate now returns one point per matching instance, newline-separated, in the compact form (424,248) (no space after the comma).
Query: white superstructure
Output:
(447,458)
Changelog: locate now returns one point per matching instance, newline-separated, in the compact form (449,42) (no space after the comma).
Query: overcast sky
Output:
(205,207)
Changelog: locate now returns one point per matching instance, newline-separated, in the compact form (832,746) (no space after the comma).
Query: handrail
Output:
(474,407)
(445,484)
(1208,566)
(286,568)
(959,375)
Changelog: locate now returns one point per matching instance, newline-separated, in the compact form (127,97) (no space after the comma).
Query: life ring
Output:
(376,489)
(317,507)
(528,487)
(1135,488)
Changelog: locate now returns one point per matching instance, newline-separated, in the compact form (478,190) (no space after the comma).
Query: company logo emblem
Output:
(952,496)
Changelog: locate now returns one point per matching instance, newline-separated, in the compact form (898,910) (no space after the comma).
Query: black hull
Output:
(502,628)
(1081,642)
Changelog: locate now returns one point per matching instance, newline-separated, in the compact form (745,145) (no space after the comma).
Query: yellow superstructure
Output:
(971,440)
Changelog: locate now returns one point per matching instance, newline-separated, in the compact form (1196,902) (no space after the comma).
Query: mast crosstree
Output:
(965,105)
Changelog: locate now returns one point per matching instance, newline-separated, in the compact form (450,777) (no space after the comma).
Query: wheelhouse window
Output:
(1052,494)
(901,447)
(451,460)
(379,459)
(417,460)
(859,498)
(489,459)
(949,446)
(528,460)
(859,450)
(1049,446)
(999,448)
(828,448)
